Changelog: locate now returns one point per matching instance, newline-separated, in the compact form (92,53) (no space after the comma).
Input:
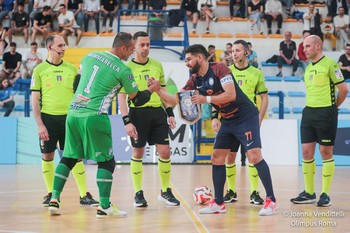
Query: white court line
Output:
(9,231)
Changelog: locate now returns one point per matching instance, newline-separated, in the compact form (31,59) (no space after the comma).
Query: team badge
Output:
(211,81)
(187,110)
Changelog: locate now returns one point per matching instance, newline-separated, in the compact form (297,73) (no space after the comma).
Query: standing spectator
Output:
(20,24)
(206,8)
(7,8)
(341,24)
(327,28)
(312,21)
(255,12)
(344,62)
(108,9)
(226,56)
(76,6)
(31,60)
(288,52)
(212,53)
(42,22)
(3,42)
(325,92)
(130,4)
(301,54)
(252,57)
(190,6)
(67,25)
(6,96)
(334,5)
(237,8)
(273,11)
(11,64)
(91,8)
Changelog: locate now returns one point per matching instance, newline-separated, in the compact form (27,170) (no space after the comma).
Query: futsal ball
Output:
(202,195)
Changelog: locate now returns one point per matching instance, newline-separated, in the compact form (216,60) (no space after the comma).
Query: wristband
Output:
(214,114)
(169,112)
(208,99)
(126,119)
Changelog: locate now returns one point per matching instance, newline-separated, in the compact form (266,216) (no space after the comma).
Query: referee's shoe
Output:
(168,198)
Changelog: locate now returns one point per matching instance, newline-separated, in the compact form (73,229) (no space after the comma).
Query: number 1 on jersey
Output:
(92,77)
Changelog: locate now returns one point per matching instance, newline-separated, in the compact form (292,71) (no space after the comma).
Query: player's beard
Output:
(195,68)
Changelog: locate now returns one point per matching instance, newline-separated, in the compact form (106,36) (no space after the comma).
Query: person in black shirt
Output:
(11,64)
(344,62)
(108,9)
(76,6)
(42,22)
(190,6)
(288,52)
(20,23)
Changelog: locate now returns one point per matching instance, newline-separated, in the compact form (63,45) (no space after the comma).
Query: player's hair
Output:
(243,43)
(122,39)
(197,49)
(140,34)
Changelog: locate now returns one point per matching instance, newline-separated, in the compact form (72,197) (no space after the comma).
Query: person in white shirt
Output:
(68,26)
(31,60)
(206,8)
(273,11)
(91,8)
(341,24)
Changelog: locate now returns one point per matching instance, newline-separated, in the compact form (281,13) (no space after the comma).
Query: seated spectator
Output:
(130,4)
(20,24)
(137,3)
(341,24)
(226,55)
(301,54)
(76,6)
(38,7)
(7,8)
(344,62)
(288,52)
(255,12)
(11,64)
(273,11)
(6,97)
(42,22)
(327,28)
(312,21)
(31,60)
(3,42)
(91,9)
(67,25)
(252,56)
(289,5)
(206,8)
(55,11)
(157,5)
(190,6)
(237,8)
(212,53)
(109,9)
(334,5)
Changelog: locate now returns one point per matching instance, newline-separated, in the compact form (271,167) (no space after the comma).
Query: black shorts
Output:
(232,133)
(151,124)
(319,125)
(56,127)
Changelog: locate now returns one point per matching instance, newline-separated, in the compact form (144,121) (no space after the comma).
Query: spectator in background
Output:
(11,64)
(20,24)
(252,57)
(76,6)
(7,8)
(288,52)
(6,96)
(206,8)
(130,4)
(341,24)
(327,28)
(226,56)
(301,54)
(91,8)
(157,5)
(42,22)
(333,7)
(344,62)
(288,4)
(212,53)
(144,4)
(55,11)
(190,6)
(31,60)
(312,21)
(237,8)
(273,11)
(109,9)
(67,25)
(38,7)
(255,12)
(3,42)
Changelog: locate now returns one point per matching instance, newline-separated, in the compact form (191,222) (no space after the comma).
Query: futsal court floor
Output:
(22,189)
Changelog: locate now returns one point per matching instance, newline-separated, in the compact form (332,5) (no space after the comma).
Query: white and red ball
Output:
(202,195)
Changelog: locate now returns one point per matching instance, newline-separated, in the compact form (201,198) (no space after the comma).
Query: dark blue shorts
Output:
(232,133)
